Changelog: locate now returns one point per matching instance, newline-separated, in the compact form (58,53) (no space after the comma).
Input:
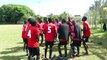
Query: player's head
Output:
(50,20)
(25,22)
(46,21)
(33,22)
(73,22)
(56,20)
(69,18)
(29,20)
(84,18)
(40,20)
(63,21)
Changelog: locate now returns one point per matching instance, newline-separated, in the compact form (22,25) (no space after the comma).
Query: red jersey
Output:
(70,27)
(46,24)
(40,26)
(87,29)
(24,31)
(27,29)
(32,37)
(50,31)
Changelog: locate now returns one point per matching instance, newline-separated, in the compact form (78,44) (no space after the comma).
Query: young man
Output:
(86,33)
(76,38)
(69,22)
(24,35)
(40,26)
(50,32)
(33,44)
(63,32)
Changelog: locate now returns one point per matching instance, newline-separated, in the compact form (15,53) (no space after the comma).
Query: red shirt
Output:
(27,29)
(40,26)
(46,24)
(24,31)
(50,31)
(70,27)
(32,37)
(87,28)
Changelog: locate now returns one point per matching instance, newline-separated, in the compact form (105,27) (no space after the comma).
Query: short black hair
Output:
(63,20)
(73,22)
(84,18)
(25,22)
(50,20)
(29,20)
(33,23)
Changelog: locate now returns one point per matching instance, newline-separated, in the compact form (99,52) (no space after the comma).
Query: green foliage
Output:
(12,13)
(64,15)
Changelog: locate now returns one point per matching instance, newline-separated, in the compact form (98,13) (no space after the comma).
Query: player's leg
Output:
(46,47)
(24,44)
(59,49)
(37,53)
(30,54)
(72,50)
(51,46)
(65,48)
(41,35)
(78,51)
(85,39)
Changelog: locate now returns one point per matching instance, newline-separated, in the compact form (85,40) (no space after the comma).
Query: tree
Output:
(96,13)
(64,15)
(12,13)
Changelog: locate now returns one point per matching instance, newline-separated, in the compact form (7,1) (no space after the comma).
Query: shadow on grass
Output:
(102,40)
(12,57)
(6,55)
(100,55)
(20,43)
(11,50)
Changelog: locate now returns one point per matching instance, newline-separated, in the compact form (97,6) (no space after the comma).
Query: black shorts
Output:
(49,43)
(41,34)
(69,33)
(34,51)
(25,40)
(85,38)
(62,43)
(76,43)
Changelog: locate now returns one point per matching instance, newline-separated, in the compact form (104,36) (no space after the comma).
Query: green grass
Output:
(11,45)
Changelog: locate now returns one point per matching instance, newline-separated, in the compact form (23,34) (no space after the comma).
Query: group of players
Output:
(32,30)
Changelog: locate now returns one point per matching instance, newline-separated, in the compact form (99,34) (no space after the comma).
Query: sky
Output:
(45,7)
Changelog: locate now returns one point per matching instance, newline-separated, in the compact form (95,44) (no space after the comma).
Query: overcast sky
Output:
(45,7)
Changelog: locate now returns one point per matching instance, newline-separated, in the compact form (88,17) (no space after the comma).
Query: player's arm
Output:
(37,37)
(55,31)
(44,30)
(84,28)
(37,34)
(59,29)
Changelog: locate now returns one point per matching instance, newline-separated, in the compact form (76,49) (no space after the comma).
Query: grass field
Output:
(11,45)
